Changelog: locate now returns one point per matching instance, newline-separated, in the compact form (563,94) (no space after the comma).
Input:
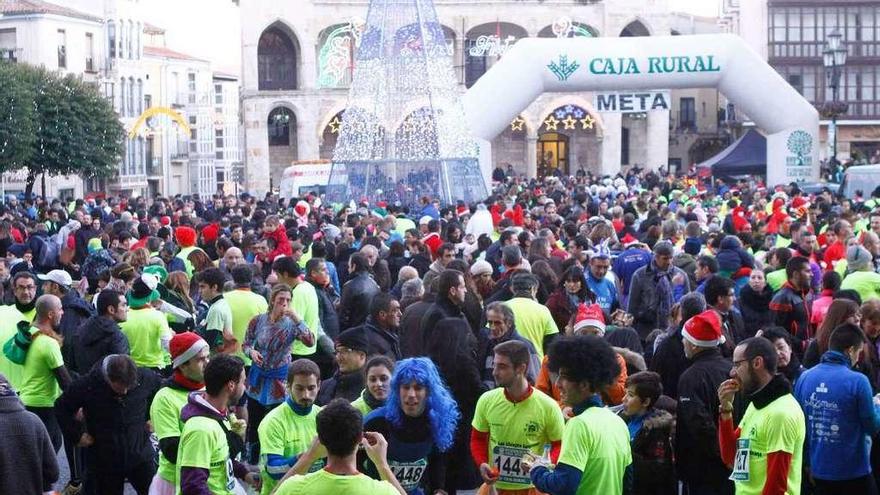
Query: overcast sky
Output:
(210,29)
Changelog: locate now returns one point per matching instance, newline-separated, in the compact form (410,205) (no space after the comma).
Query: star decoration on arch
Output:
(587,122)
(334,124)
(552,123)
(569,122)
(517,124)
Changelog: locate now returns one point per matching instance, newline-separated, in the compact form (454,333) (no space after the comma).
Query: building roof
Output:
(30,7)
(160,51)
(153,29)
(229,76)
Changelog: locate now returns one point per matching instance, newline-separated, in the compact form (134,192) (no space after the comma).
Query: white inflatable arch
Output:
(535,65)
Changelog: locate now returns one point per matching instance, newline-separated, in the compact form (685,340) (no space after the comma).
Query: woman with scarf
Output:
(267,342)
(378,377)
(418,420)
(571,293)
(189,355)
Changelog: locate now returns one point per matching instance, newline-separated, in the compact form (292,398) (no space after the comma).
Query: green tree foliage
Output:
(67,129)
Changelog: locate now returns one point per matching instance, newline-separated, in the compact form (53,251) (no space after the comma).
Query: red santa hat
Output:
(185,236)
(211,232)
(302,208)
(185,346)
(739,219)
(166,220)
(704,330)
(589,316)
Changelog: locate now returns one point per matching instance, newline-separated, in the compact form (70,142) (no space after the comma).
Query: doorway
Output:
(553,154)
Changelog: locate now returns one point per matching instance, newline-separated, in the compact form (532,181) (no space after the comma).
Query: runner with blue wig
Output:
(419,421)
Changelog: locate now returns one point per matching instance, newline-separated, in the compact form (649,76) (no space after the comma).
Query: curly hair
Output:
(441,408)
(585,358)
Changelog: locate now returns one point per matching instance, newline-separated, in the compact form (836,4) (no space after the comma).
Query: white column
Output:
(657,139)
(257,170)
(531,156)
(609,163)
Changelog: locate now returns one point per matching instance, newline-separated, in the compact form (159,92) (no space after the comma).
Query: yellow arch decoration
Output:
(150,112)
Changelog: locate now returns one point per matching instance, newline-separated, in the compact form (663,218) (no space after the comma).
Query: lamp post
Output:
(834,58)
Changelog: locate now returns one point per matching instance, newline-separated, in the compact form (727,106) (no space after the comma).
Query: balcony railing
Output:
(8,54)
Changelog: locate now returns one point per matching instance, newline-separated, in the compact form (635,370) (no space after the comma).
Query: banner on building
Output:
(632,102)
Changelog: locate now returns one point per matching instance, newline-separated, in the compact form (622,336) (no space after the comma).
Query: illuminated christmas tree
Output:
(403,133)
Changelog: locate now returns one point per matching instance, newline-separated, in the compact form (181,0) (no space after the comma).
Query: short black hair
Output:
(303,366)
(647,385)
(845,336)
(242,275)
(446,280)
(831,280)
(359,262)
(107,298)
(381,302)
(446,246)
(222,369)
(122,370)
(709,262)
(761,347)
(586,358)
(285,265)
(774,333)
(340,427)
(716,288)
(212,277)
(313,265)
(794,265)
(379,360)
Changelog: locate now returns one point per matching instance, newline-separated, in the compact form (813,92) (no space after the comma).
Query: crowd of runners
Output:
(638,334)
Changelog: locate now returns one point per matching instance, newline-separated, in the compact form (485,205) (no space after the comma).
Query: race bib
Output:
(408,474)
(741,462)
(230,475)
(508,461)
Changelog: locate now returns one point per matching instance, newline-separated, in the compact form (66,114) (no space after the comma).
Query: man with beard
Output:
(654,288)
(382,325)
(766,450)
(513,420)
(352,349)
(76,309)
(790,306)
(100,335)
(287,431)
(208,449)
(189,356)
(24,286)
(805,245)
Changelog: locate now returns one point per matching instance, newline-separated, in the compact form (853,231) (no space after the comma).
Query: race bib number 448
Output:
(508,461)
(408,474)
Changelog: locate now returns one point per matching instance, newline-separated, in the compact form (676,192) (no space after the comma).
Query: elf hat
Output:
(143,290)
(704,330)
(589,316)
(185,346)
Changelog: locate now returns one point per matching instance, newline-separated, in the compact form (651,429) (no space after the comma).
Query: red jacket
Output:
(282,244)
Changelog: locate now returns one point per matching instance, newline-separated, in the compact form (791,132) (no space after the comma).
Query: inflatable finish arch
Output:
(534,66)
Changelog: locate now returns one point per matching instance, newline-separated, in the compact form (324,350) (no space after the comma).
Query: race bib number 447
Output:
(408,474)
(508,461)
(741,462)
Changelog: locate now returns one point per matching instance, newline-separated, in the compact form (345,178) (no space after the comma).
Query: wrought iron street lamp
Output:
(834,58)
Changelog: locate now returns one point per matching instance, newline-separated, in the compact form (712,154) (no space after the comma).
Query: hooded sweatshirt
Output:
(97,337)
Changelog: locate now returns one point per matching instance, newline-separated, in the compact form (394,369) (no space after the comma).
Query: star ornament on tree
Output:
(587,122)
(334,125)
(552,123)
(569,122)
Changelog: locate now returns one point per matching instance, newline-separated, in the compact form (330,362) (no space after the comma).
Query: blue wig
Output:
(441,408)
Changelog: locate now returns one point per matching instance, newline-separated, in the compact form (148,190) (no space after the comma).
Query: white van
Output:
(863,178)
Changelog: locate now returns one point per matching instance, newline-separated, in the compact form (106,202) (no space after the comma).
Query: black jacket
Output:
(96,338)
(117,423)
(696,441)
(326,312)
(357,294)
(441,309)
(670,362)
(347,386)
(755,308)
(76,312)
(653,471)
(791,310)
(381,341)
(410,333)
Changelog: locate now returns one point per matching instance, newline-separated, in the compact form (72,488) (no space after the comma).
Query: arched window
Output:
(565,28)
(485,45)
(276,57)
(129,42)
(137,45)
(140,97)
(123,111)
(282,125)
(634,29)
(131,90)
(336,50)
